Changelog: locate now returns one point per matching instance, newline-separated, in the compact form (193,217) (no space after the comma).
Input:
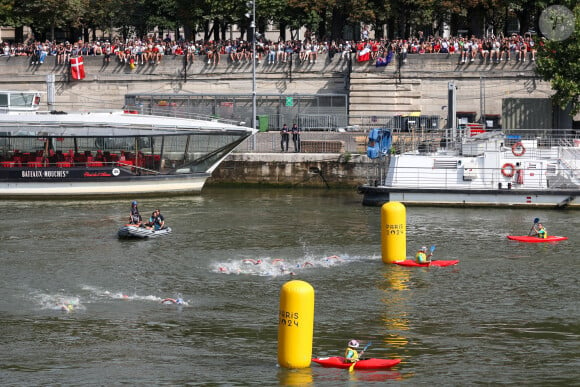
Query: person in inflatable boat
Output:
(134,216)
(540,231)
(156,221)
(351,354)
(422,256)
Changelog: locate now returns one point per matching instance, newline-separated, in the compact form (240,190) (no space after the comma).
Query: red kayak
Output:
(367,364)
(534,239)
(410,262)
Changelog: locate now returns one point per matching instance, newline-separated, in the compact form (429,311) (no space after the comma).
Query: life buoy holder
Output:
(518,149)
(508,170)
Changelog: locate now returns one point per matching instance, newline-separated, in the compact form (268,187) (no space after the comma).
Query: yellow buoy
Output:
(393,232)
(295,324)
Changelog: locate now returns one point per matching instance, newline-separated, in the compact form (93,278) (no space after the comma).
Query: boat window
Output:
(445,164)
(21,99)
(3,100)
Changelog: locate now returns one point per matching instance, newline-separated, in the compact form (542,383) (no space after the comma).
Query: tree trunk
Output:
(338,24)
(282,35)
(321,33)
(216,29)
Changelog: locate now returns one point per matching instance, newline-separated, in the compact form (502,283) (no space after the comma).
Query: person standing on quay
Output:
(284,138)
(296,137)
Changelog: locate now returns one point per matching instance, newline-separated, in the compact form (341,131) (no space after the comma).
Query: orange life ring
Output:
(508,170)
(518,149)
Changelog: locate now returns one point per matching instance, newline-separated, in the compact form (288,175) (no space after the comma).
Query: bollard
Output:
(295,324)
(393,232)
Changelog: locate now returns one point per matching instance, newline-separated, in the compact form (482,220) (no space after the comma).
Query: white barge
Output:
(475,168)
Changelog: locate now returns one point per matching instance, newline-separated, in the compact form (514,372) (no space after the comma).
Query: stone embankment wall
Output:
(318,170)
(419,85)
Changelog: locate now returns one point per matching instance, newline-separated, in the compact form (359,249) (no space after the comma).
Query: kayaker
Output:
(134,216)
(351,354)
(540,231)
(422,257)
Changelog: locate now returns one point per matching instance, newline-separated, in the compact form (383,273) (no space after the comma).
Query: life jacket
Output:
(421,257)
(542,233)
(135,216)
(351,355)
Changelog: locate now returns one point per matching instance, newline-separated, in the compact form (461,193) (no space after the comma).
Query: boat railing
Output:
(175,112)
(449,178)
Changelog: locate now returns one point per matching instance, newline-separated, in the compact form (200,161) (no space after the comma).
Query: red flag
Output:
(364,55)
(77,68)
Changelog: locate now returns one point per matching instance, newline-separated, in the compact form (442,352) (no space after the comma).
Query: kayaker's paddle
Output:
(536,221)
(351,368)
(431,252)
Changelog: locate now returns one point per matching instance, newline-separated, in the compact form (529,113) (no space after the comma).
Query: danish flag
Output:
(77,68)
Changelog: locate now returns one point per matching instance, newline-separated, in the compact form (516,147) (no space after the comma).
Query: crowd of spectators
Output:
(152,50)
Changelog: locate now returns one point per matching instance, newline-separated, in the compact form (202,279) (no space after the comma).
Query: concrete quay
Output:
(259,161)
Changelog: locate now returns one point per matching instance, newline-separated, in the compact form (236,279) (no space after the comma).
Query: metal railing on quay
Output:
(311,142)
(355,142)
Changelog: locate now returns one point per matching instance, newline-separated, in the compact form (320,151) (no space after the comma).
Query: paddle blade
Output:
(367,346)
(351,368)
(536,220)
(432,249)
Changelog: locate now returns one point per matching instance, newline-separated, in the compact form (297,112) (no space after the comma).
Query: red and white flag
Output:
(364,54)
(77,68)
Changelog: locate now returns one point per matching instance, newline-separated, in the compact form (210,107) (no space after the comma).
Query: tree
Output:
(559,63)
(46,15)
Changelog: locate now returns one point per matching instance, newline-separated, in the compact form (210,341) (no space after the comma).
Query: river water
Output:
(508,313)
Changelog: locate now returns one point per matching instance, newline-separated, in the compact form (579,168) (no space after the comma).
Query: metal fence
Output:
(311,112)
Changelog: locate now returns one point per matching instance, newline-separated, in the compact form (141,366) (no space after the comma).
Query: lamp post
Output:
(253,27)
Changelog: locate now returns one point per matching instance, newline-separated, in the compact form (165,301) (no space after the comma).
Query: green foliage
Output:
(559,63)
(6,12)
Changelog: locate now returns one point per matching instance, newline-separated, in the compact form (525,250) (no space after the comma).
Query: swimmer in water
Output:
(66,307)
(255,262)
(176,301)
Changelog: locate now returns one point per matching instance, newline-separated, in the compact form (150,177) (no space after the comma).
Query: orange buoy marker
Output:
(295,324)
(393,232)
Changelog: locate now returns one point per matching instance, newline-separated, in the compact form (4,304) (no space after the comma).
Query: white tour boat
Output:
(44,155)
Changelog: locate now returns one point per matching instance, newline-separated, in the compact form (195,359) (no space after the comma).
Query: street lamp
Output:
(253,28)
